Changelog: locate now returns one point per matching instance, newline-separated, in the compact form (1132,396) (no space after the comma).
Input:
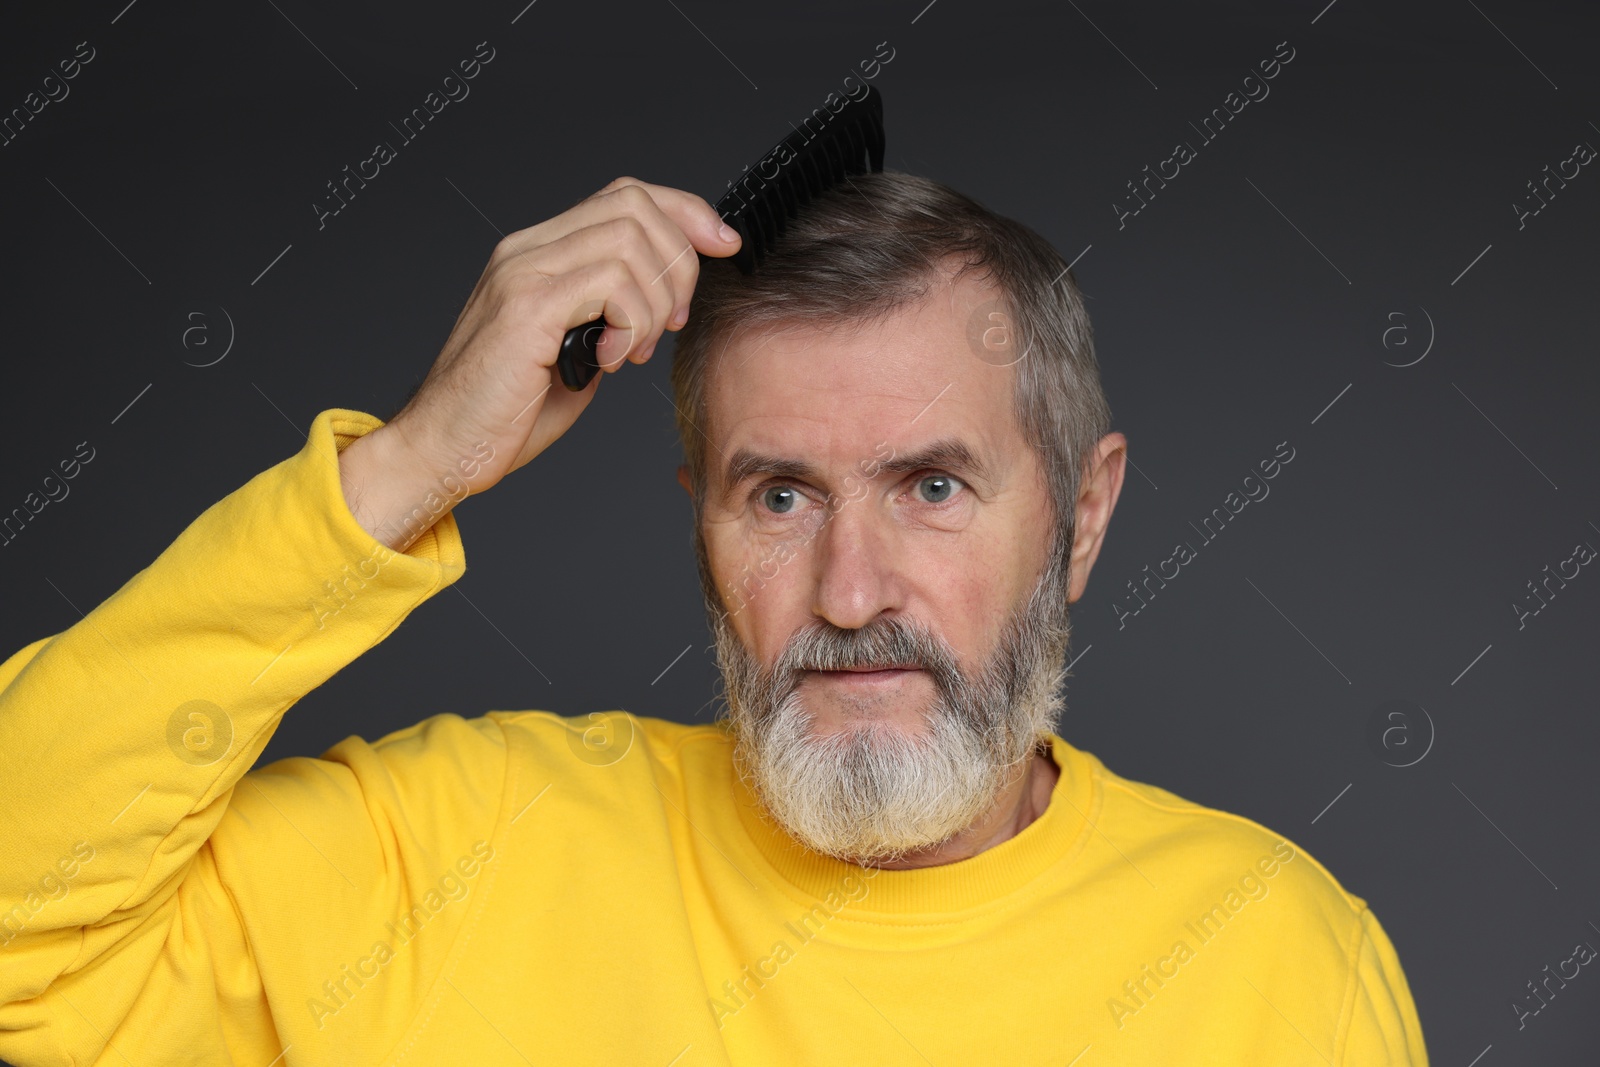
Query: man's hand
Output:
(492,400)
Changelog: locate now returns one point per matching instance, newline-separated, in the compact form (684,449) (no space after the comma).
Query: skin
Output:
(831,400)
(839,402)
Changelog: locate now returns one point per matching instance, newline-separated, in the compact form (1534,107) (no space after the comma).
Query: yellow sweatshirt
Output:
(526,889)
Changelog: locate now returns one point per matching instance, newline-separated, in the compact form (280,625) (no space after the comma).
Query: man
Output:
(896,447)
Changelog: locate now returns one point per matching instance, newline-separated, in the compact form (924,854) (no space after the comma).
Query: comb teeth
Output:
(760,207)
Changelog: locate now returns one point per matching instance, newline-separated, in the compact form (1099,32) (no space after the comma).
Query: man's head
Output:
(886,430)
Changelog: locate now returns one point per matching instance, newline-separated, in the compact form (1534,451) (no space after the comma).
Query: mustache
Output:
(887,642)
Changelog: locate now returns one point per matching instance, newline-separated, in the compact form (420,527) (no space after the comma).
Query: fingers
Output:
(626,238)
(680,267)
(607,295)
(696,218)
(677,223)
(626,253)
(640,308)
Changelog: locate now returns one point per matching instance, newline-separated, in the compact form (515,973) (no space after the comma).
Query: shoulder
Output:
(447,752)
(603,737)
(1213,859)
(635,748)
(439,769)
(1274,913)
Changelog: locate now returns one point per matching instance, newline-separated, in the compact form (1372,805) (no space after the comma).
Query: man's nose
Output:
(856,566)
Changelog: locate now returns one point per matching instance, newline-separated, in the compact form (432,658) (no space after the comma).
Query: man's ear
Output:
(683,480)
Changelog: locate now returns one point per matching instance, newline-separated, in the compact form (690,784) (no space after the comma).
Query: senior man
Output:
(901,472)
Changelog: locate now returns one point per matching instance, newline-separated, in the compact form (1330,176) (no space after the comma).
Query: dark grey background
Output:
(1230,313)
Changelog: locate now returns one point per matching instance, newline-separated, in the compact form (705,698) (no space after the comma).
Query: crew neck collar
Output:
(989,877)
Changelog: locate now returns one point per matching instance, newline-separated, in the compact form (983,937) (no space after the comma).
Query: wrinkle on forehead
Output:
(832,392)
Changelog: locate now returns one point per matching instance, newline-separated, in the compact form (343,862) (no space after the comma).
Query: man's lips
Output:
(868,673)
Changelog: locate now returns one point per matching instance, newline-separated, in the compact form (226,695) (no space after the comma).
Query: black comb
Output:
(760,203)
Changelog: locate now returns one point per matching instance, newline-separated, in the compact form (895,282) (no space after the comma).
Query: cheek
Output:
(760,580)
(956,588)
(974,581)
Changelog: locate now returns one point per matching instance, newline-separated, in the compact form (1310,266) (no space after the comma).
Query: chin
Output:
(901,734)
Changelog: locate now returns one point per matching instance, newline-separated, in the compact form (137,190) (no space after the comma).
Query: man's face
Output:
(877,528)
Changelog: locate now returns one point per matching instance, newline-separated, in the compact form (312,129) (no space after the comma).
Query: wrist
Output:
(390,490)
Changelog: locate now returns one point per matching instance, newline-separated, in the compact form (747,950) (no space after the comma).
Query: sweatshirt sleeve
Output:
(143,873)
(1382,1022)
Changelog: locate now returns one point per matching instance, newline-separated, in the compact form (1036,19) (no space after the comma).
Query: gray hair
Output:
(869,247)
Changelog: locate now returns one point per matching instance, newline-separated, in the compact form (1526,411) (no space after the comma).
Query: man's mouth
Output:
(868,673)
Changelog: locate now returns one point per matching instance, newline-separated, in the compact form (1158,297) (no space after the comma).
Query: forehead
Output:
(833,393)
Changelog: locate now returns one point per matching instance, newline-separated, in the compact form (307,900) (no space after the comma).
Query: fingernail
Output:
(648,353)
(728,233)
(680,316)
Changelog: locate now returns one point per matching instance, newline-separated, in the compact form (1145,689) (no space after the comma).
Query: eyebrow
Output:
(949,453)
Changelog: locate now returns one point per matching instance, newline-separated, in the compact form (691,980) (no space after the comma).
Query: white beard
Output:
(874,792)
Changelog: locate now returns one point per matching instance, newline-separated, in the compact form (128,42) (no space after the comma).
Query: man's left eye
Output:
(937,488)
(779,499)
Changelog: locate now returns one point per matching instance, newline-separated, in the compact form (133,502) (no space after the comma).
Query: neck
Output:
(1023,799)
